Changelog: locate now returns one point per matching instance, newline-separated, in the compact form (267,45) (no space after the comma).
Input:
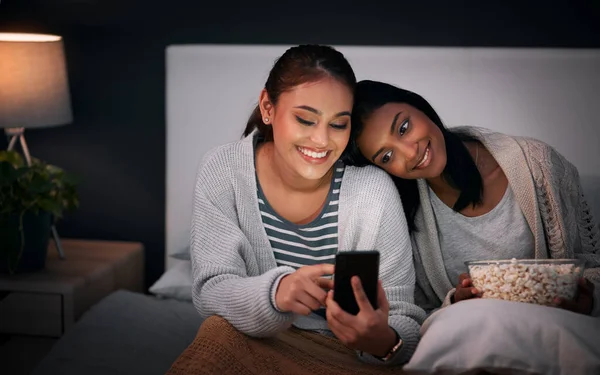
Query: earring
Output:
(266,119)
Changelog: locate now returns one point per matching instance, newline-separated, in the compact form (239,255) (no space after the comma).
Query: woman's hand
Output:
(584,298)
(303,291)
(367,331)
(465,289)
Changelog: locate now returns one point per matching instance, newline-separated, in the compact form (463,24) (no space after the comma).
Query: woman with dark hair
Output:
(271,212)
(473,194)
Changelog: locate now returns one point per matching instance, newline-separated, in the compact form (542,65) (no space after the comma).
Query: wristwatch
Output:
(394,349)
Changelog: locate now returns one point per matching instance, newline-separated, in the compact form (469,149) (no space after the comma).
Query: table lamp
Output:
(34,89)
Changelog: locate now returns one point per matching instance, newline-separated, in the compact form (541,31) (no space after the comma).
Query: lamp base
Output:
(18,134)
(59,248)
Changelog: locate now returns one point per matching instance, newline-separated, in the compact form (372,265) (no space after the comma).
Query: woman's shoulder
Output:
(227,155)
(368,180)
(545,162)
(369,196)
(217,165)
(368,171)
(544,155)
(536,151)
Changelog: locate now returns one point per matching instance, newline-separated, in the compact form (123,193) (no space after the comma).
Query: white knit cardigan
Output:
(547,189)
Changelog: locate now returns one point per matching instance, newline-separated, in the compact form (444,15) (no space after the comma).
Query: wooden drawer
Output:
(31,313)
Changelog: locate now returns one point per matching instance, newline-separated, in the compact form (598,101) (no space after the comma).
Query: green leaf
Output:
(48,205)
(53,169)
(12,157)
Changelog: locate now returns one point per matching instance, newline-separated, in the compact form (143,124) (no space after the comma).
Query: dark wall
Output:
(115,56)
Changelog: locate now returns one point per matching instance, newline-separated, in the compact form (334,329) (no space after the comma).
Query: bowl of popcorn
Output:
(537,281)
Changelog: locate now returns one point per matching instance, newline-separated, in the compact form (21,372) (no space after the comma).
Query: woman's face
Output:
(311,126)
(404,142)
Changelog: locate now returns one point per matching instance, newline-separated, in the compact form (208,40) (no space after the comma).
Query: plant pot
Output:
(24,251)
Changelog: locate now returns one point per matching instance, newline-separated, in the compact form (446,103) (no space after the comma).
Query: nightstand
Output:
(49,302)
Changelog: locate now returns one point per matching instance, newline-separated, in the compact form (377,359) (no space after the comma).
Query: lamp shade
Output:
(34,87)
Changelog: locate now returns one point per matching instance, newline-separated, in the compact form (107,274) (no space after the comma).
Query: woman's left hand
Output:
(584,300)
(367,331)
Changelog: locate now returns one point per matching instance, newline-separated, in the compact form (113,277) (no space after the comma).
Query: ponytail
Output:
(255,122)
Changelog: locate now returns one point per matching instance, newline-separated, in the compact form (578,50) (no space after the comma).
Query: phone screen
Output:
(365,265)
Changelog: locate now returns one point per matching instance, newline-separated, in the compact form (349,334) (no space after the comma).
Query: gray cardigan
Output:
(233,266)
(548,191)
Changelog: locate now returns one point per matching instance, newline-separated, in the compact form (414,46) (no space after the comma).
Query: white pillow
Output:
(175,283)
(181,254)
(513,337)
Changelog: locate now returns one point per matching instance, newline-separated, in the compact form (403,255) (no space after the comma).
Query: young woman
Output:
(473,194)
(271,212)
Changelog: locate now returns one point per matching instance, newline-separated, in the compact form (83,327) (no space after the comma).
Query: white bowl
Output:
(537,281)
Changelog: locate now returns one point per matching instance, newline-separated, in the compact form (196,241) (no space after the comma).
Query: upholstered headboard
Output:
(549,94)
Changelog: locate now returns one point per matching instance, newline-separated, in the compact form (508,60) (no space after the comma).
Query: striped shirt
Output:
(298,245)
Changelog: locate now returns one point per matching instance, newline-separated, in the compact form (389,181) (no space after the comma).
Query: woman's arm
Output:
(589,235)
(221,256)
(578,231)
(397,273)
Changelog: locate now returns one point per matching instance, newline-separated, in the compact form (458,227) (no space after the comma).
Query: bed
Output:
(125,333)
(550,94)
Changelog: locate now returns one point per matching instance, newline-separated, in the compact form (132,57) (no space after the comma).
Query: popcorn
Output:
(538,282)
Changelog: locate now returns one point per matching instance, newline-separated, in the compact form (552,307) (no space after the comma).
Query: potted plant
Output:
(32,198)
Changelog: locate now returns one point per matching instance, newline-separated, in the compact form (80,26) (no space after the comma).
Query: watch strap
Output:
(394,349)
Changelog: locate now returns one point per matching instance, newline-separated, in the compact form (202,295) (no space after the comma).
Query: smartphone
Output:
(365,265)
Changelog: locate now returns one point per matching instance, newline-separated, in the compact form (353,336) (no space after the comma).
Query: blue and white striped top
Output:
(298,245)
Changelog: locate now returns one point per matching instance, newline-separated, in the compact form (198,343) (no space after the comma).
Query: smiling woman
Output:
(266,228)
(310,126)
(417,155)
(474,194)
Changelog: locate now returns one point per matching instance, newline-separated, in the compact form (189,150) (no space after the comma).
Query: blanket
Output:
(221,349)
